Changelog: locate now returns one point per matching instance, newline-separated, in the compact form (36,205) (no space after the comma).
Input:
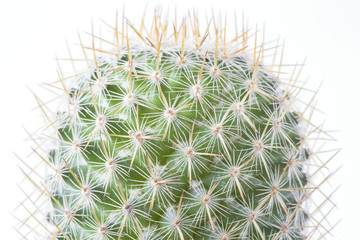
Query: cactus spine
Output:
(180,133)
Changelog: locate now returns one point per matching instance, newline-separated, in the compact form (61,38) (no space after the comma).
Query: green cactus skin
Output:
(179,135)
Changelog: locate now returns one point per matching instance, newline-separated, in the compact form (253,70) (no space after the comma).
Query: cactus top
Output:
(177,133)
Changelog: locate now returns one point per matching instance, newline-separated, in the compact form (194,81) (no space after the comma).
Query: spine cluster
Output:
(180,132)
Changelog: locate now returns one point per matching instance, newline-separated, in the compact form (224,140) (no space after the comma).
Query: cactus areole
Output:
(173,131)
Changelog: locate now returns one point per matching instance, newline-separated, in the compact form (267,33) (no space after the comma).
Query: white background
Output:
(326,32)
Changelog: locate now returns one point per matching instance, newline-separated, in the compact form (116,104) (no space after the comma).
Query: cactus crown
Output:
(178,132)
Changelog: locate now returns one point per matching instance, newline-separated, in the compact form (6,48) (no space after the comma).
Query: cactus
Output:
(179,132)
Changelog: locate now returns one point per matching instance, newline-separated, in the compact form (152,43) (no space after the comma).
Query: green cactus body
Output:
(178,135)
